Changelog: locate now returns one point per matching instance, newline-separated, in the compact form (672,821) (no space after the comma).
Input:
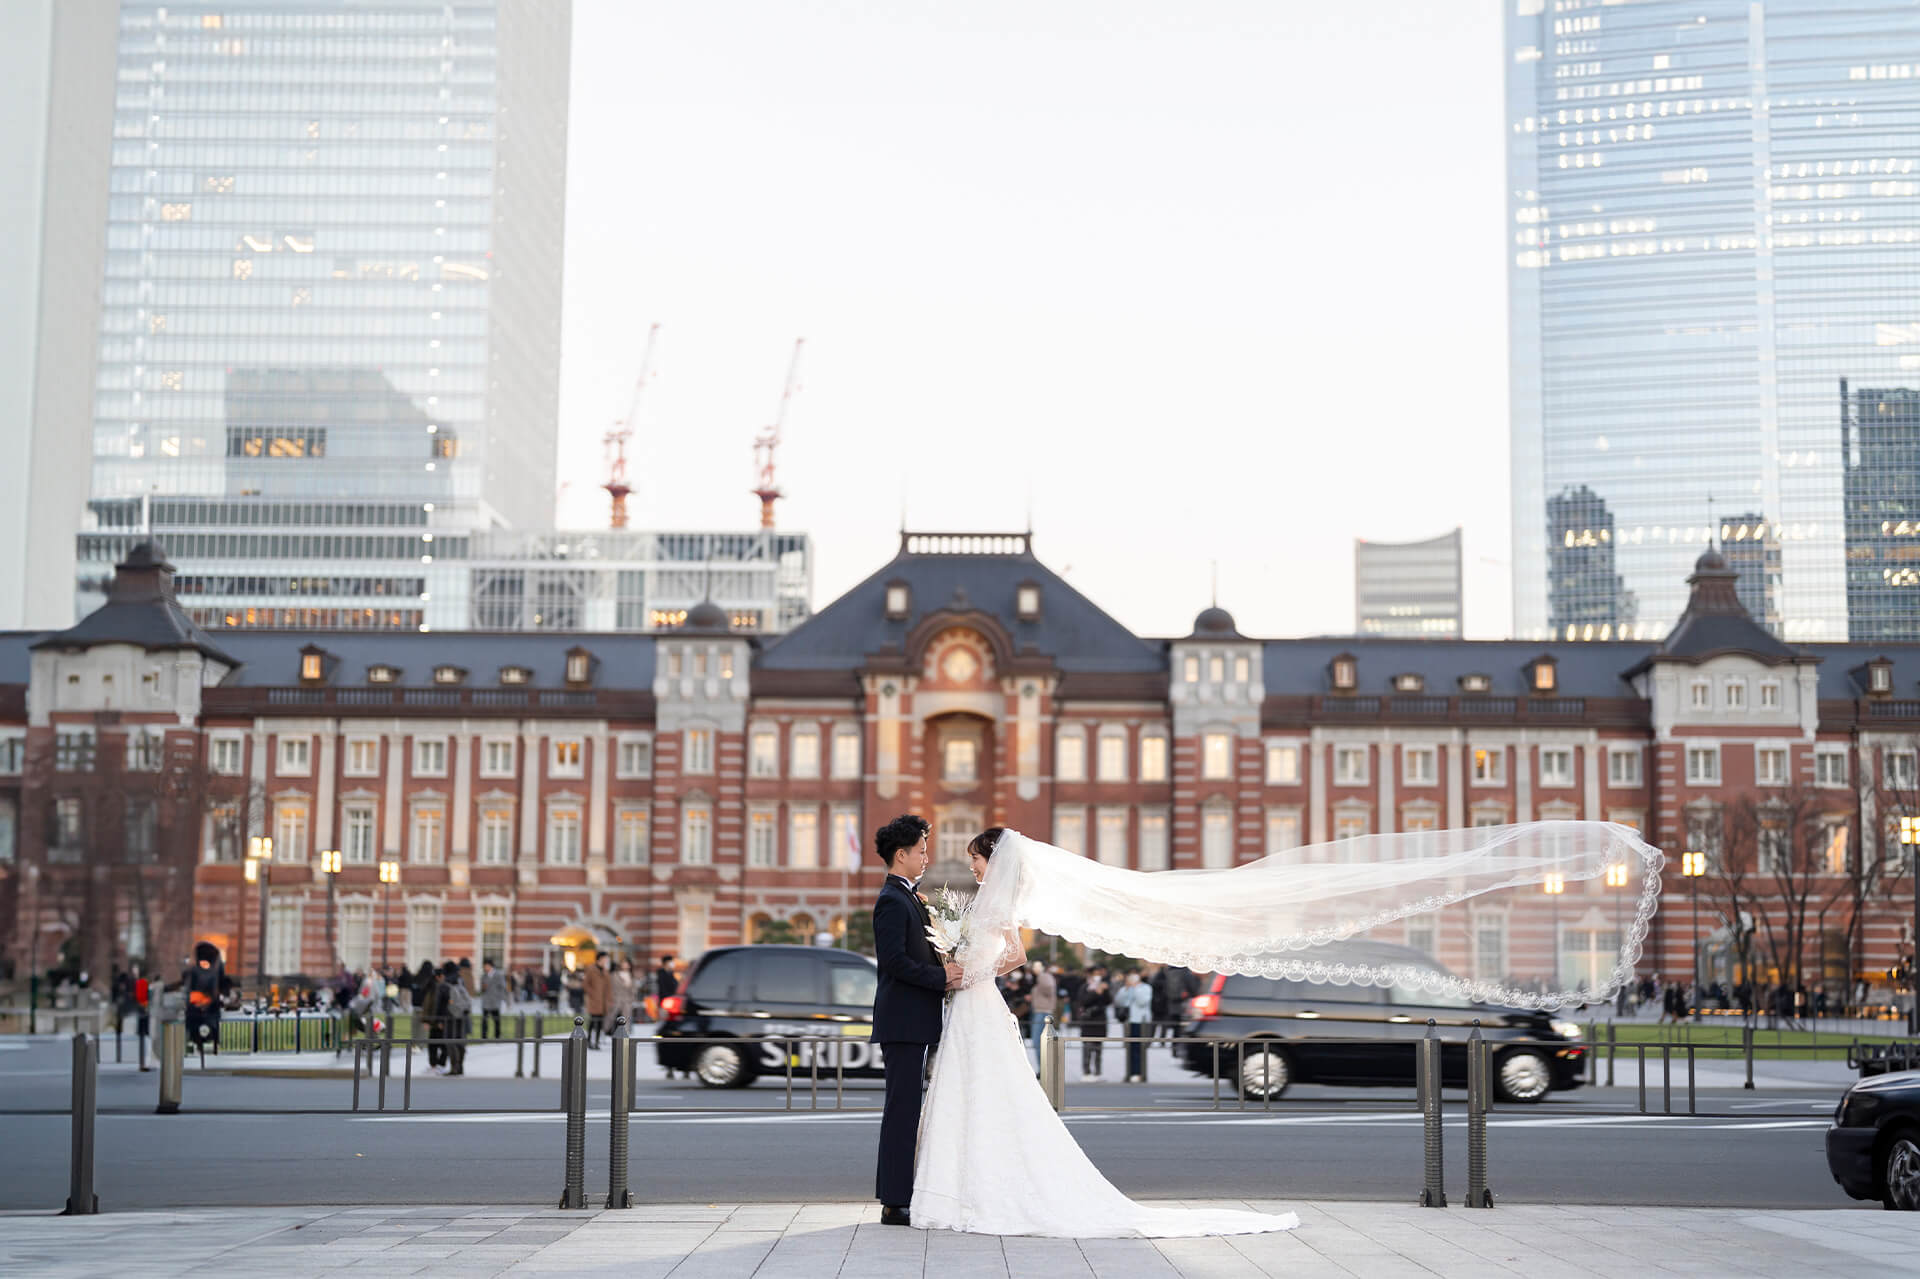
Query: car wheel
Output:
(1264,1073)
(1523,1076)
(1900,1172)
(721,1066)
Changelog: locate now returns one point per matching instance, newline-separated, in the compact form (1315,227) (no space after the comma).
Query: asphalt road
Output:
(242,1140)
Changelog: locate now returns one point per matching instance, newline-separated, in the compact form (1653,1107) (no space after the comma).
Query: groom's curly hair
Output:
(903,831)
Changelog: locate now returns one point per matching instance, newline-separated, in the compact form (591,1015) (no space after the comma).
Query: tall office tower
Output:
(1881,445)
(1408,589)
(330,331)
(56,131)
(1713,217)
(1585,597)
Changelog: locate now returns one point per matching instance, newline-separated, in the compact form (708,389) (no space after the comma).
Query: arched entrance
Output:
(576,945)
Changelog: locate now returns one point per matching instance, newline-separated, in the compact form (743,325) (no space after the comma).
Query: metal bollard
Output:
(386,1057)
(573,1088)
(1479,1094)
(1746,1044)
(171,1047)
(520,1045)
(1433,1194)
(1045,1054)
(1610,1053)
(618,1196)
(1059,1050)
(81,1201)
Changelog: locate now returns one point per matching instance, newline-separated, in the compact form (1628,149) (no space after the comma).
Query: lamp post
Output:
(1693,865)
(1555,885)
(389,876)
(330,866)
(1617,877)
(1909,838)
(260,871)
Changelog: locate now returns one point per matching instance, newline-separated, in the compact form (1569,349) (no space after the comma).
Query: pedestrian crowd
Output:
(1101,1002)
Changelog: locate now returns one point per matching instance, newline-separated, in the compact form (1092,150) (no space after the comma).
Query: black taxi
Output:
(769,1009)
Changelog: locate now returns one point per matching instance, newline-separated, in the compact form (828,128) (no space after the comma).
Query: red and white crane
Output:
(616,440)
(768,440)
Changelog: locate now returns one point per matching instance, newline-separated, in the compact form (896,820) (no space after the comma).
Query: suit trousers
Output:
(906,1066)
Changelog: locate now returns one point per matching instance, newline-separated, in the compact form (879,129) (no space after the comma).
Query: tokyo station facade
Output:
(666,792)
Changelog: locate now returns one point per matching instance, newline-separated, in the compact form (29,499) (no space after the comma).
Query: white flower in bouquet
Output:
(947,924)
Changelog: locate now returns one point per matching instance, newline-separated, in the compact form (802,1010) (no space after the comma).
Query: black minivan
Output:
(1289,1026)
(749,996)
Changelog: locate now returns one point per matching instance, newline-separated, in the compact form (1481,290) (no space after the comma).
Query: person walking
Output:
(1043,1001)
(1133,1004)
(620,993)
(493,997)
(1090,1004)
(595,985)
(456,1008)
(429,1012)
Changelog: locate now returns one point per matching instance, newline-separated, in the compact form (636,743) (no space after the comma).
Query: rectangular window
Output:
(1421,935)
(1113,757)
(1769,696)
(1490,948)
(844,852)
(763,759)
(223,833)
(296,756)
(137,833)
(73,751)
(1623,767)
(1901,770)
(1556,766)
(959,761)
(1216,756)
(1283,831)
(1110,844)
(696,846)
(146,750)
(1349,824)
(1830,766)
(363,757)
(803,839)
(699,752)
(805,761)
(1736,695)
(563,836)
(763,838)
(283,938)
(1216,838)
(1070,757)
(635,758)
(1421,765)
(1700,695)
(1703,765)
(496,757)
(1153,841)
(1776,852)
(1242,669)
(1070,830)
(356,845)
(9,833)
(630,837)
(69,828)
(1770,765)
(496,835)
(1190,669)
(290,831)
(1489,817)
(1489,765)
(1283,765)
(1153,757)
(1350,766)
(356,936)
(1834,847)
(566,757)
(423,934)
(1703,834)
(429,757)
(428,834)
(493,936)
(846,755)
(13,754)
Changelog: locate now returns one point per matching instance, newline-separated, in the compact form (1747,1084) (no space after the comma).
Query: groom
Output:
(906,1006)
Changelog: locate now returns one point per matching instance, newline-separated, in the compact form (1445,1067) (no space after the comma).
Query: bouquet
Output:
(947,924)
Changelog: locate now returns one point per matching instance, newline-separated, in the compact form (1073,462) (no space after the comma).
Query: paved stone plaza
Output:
(814,1241)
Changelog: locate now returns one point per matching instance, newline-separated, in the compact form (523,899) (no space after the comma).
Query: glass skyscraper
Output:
(1714,261)
(330,327)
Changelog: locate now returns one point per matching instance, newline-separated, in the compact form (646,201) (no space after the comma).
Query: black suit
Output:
(906,1023)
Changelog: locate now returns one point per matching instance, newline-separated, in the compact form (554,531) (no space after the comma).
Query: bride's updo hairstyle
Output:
(982,844)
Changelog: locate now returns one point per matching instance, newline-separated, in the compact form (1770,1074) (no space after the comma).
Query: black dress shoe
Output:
(894,1215)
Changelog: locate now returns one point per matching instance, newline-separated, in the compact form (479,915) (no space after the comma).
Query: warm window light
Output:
(260,847)
(389,872)
(1693,865)
(1910,830)
(251,869)
(1617,875)
(330,860)
(1555,885)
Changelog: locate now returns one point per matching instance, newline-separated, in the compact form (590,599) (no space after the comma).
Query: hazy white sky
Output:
(1214,280)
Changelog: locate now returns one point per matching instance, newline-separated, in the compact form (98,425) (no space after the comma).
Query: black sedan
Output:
(1873,1148)
(767,1010)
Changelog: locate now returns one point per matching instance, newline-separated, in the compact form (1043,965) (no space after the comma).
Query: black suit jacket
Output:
(913,983)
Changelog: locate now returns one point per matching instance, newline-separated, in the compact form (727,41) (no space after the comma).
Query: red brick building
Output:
(668,792)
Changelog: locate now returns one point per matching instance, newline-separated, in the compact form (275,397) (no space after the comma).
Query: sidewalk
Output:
(815,1241)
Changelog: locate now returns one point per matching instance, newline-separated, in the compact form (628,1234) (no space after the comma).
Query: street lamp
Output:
(1693,865)
(389,876)
(1617,875)
(330,865)
(260,871)
(1554,885)
(1909,837)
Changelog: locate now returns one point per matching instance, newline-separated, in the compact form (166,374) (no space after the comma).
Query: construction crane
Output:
(616,440)
(768,440)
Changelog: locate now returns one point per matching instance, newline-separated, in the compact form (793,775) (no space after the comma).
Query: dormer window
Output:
(1027,601)
(1542,678)
(579,666)
(383,674)
(1409,683)
(1880,677)
(1476,683)
(515,675)
(1345,672)
(899,601)
(313,664)
(448,674)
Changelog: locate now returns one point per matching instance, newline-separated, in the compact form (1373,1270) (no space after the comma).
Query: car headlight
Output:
(1568,1029)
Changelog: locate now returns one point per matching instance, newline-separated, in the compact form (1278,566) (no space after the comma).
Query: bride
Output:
(994,1157)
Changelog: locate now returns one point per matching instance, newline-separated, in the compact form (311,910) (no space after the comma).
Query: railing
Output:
(606,700)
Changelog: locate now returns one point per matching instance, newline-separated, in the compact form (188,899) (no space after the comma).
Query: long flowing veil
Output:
(1538,915)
